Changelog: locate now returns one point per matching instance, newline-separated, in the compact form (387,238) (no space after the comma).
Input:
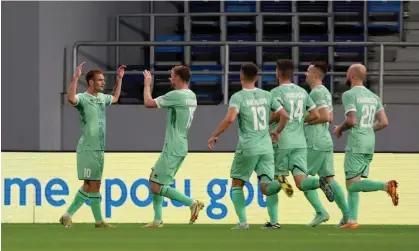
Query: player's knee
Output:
(155,188)
(237,183)
(330,179)
(94,186)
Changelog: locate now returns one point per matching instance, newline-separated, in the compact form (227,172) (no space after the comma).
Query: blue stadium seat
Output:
(240,6)
(241,38)
(269,78)
(312,6)
(204,6)
(173,38)
(196,79)
(384,7)
(313,38)
(348,6)
(205,38)
(391,10)
(349,38)
(277,38)
(276,6)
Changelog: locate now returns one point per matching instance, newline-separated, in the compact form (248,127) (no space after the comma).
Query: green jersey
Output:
(92,115)
(181,106)
(254,107)
(361,137)
(296,102)
(318,136)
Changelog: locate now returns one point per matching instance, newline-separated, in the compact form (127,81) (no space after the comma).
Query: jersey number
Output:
(191,113)
(259,118)
(368,115)
(87,173)
(296,109)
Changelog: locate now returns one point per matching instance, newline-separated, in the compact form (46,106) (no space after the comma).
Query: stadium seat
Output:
(173,38)
(205,38)
(240,6)
(312,6)
(204,6)
(276,6)
(311,53)
(197,79)
(348,6)
(349,38)
(207,88)
(384,15)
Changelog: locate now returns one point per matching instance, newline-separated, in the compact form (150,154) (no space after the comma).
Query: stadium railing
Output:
(225,73)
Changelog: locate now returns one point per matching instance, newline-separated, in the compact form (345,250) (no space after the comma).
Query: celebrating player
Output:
(364,115)
(319,140)
(91,106)
(181,104)
(254,151)
(291,149)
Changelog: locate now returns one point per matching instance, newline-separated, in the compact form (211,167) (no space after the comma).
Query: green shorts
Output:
(90,165)
(320,162)
(243,166)
(165,169)
(290,160)
(357,164)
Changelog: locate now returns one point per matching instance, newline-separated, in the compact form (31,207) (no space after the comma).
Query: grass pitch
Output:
(53,237)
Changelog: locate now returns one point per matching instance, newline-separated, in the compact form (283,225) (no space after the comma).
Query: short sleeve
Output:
(79,100)
(379,105)
(348,102)
(234,102)
(310,104)
(170,99)
(275,105)
(319,99)
(108,99)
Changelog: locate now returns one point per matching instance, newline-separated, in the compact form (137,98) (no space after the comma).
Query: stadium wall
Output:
(38,187)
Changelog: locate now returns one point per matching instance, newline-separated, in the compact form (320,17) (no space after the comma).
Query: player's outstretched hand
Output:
(337,132)
(211,142)
(121,71)
(274,136)
(77,74)
(147,77)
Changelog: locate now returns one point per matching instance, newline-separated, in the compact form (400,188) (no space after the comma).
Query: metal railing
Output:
(226,62)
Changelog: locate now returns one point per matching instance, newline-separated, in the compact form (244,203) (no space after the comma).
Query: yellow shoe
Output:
(103,225)
(286,186)
(196,207)
(66,221)
(154,224)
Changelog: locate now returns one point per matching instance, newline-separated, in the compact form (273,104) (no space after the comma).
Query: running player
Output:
(181,104)
(291,150)
(254,151)
(319,140)
(364,116)
(91,106)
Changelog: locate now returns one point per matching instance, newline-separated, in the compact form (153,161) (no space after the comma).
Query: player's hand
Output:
(121,71)
(274,136)
(211,142)
(147,78)
(337,132)
(77,73)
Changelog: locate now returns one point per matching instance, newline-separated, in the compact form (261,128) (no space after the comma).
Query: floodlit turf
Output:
(54,237)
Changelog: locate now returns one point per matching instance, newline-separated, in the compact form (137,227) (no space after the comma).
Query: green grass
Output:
(54,237)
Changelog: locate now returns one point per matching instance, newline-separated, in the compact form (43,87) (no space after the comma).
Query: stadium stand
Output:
(352,21)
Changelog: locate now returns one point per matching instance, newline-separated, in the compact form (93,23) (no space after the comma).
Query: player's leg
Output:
(241,170)
(270,187)
(327,170)
(281,160)
(162,177)
(307,184)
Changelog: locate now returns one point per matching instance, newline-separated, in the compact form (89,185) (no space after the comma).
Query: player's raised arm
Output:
(72,90)
(118,85)
(149,102)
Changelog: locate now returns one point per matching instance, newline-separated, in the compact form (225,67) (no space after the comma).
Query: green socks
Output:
(174,194)
(273,188)
(366,186)
(95,205)
(353,203)
(339,197)
(237,197)
(272,205)
(78,201)
(157,206)
(313,197)
(310,183)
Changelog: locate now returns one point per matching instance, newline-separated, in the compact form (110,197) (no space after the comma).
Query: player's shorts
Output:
(165,169)
(320,162)
(90,164)
(243,166)
(357,164)
(290,160)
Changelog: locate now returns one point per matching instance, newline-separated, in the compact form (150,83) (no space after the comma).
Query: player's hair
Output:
(321,66)
(91,75)
(286,67)
(250,71)
(182,72)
